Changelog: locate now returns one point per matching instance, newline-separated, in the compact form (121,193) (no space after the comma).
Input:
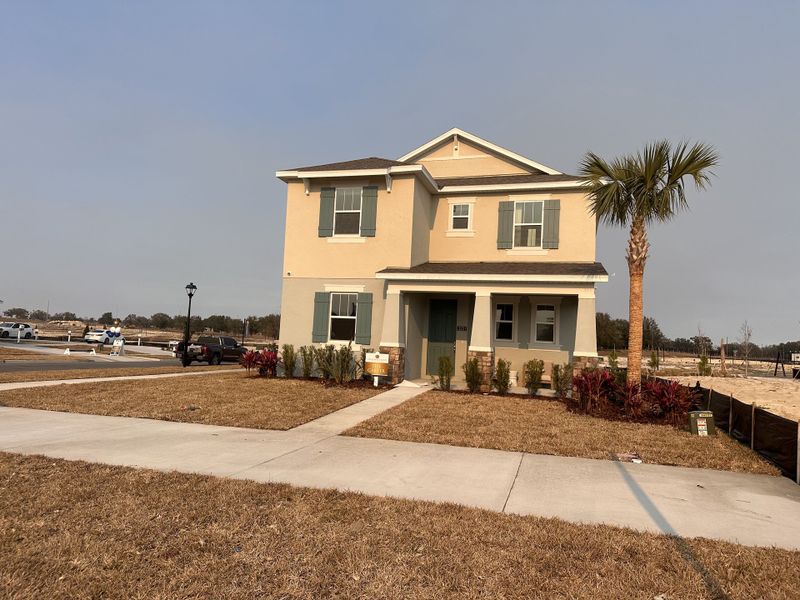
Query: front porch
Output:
(425,321)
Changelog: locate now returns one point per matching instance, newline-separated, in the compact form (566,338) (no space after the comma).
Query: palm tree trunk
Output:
(638,247)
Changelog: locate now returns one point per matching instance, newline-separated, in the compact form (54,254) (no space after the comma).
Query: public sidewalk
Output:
(754,510)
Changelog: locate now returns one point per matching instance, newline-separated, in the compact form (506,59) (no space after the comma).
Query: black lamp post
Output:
(190,290)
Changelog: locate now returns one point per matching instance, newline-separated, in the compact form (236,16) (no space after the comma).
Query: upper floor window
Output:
(545,325)
(460,217)
(504,321)
(347,211)
(343,317)
(528,224)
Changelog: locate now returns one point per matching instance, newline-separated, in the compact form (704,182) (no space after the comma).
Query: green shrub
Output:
(652,364)
(472,373)
(445,372)
(307,360)
(704,366)
(502,376)
(532,372)
(613,360)
(342,367)
(289,357)
(561,380)
(324,356)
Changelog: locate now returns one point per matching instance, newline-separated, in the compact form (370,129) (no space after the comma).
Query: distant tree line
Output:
(613,334)
(267,325)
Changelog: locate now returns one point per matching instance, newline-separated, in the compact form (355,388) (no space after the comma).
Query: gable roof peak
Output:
(478,141)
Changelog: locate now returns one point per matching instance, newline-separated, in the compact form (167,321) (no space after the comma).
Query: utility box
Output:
(701,422)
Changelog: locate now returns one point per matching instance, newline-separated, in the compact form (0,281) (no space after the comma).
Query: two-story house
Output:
(460,248)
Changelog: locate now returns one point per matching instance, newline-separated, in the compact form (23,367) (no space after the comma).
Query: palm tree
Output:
(635,191)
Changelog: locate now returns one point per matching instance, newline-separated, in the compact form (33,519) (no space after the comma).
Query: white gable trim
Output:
(455,131)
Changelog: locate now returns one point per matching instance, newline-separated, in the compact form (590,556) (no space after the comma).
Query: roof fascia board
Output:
(499,187)
(491,277)
(480,142)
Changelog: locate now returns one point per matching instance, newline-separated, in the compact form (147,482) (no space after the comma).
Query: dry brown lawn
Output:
(16,377)
(232,399)
(75,530)
(547,427)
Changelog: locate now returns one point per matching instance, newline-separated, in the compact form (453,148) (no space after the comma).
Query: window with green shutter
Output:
(326,203)
(505,224)
(550,226)
(319,331)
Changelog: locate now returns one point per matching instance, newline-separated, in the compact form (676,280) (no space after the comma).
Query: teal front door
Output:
(441,333)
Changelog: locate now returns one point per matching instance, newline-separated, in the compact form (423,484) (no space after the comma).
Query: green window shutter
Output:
(364,319)
(369,210)
(327,198)
(505,224)
(322,309)
(552,210)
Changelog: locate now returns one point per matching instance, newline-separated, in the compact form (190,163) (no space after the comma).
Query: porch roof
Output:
(499,271)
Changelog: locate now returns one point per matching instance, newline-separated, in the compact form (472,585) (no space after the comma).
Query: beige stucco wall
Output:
(467,161)
(577,231)
(519,356)
(308,255)
(297,306)
(424,211)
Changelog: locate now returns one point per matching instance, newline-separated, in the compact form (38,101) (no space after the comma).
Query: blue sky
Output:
(139,141)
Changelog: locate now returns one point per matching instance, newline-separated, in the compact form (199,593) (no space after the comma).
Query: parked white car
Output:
(101,336)
(12,330)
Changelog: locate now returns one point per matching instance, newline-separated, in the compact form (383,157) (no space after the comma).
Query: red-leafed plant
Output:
(671,399)
(594,389)
(631,398)
(248,360)
(267,363)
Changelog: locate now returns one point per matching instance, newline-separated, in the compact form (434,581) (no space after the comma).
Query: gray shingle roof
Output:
(372,162)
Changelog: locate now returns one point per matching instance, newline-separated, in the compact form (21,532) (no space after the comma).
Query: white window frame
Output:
(331,317)
(514,302)
(515,224)
(535,304)
(359,211)
(470,230)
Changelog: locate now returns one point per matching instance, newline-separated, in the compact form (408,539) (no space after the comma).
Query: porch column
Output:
(585,332)
(480,342)
(393,336)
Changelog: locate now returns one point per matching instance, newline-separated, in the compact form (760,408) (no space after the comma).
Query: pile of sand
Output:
(776,394)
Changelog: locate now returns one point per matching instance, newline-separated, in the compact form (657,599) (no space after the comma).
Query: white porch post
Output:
(393,332)
(586,327)
(393,335)
(481,338)
(480,342)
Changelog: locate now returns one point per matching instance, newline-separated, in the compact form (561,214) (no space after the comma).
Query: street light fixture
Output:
(190,290)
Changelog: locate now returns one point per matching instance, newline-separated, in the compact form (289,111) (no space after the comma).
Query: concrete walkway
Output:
(755,510)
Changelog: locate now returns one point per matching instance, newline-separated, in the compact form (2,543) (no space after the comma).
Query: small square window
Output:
(459,216)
